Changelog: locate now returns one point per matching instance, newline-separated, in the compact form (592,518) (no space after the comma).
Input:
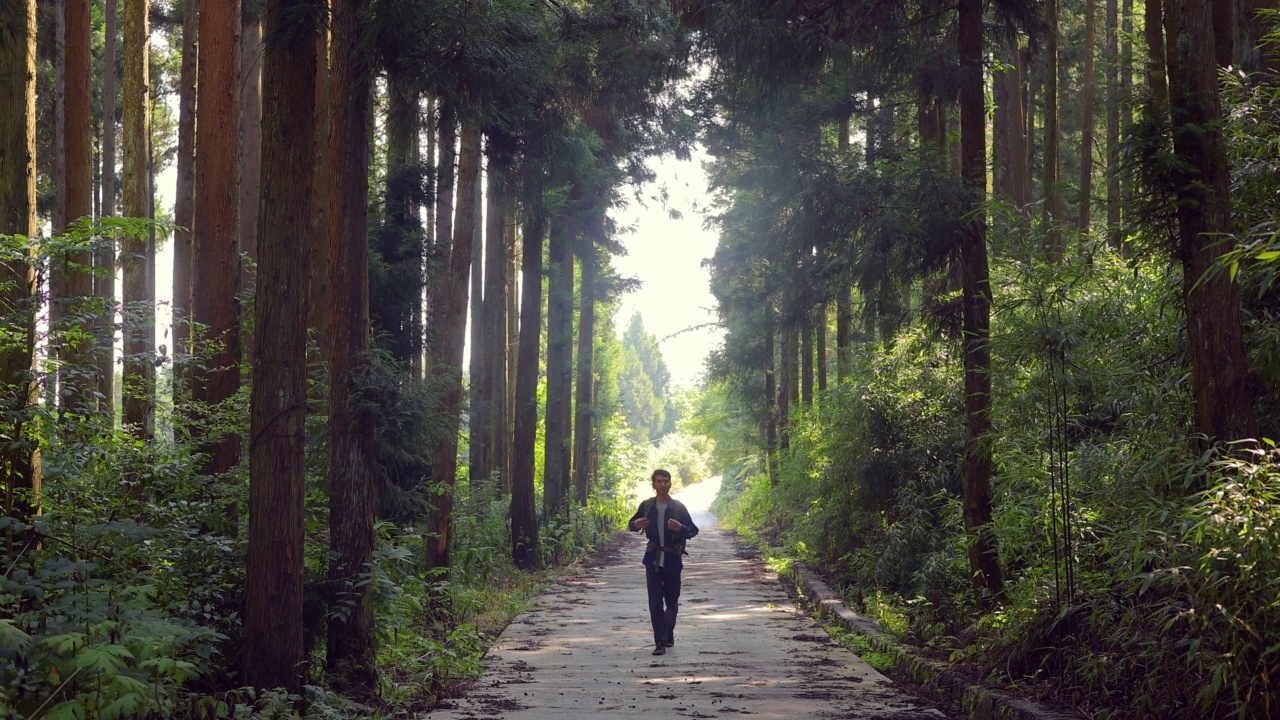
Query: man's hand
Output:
(641,523)
(674,525)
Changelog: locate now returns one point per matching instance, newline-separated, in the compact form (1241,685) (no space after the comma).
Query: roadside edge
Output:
(975,701)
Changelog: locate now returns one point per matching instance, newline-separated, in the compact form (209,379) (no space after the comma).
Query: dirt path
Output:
(741,649)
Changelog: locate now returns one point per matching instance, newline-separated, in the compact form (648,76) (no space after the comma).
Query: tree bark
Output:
(77,277)
(984,558)
(1029,104)
(216,276)
(1248,53)
(321,191)
(771,409)
(450,323)
(1056,249)
(1224,28)
(1000,121)
(274,653)
(557,449)
(58,171)
(351,659)
(1019,172)
(479,452)
(786,385)
(524,522)
(1223,386)
(806,364)
(585,392)
(445,177)
(476,403)
(184,204)
(493,376)
(251,50)
(844,297)
(1125,101)
(1113,117)
(1086,118)
(139,308)
(399,243)
(59,215)
(429,269)
(511,243)
(1153,31)
(820,338)
(19,459)
(104,280)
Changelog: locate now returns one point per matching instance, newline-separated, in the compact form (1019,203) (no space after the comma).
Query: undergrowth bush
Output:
(1175,586)
(122,598)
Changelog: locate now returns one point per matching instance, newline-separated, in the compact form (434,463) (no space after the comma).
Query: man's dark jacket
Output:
(676,538)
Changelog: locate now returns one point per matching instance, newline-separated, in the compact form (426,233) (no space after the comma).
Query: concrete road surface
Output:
(742,649)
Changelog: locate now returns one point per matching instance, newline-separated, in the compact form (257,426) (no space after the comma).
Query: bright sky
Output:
(666,255)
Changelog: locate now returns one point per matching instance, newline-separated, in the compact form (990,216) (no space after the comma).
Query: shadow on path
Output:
(741,648)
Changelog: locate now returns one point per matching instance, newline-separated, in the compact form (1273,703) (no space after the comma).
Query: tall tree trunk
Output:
(511,241)
(274,654)
(216,276)
(1019,172)
(322,179)
(450,324)
(476,403)
(77,276)
(1086,118)
(427,269)
(1001,183)
(786,385)
(352,492)
(1052,192)
(250,150)
(1153,31)
(59,215)
(557,451)
(771,409)
(1029,104)
(104,261)
(844,297)
(585,392)
(1113,117)
(57,281)
(481,410)
(1249,53)
(107,206)
(1223,386)
(984,558)
(820,339)
(399,243)
(1126,84)
(1224,28)
(498,460)
(184,203)
(19,458)
(524,521)
(139,307)
(806,364)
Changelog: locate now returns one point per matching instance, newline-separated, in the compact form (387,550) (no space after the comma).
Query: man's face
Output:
(661,484)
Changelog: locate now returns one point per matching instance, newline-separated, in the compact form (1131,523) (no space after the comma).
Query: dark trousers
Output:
(664,588)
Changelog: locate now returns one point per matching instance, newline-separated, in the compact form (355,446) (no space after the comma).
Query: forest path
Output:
(742,648)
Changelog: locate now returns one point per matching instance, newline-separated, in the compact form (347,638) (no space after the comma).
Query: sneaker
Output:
(660,650)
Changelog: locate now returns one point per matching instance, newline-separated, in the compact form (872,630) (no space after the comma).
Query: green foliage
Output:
(110,616)
(644,383)
(1181,586)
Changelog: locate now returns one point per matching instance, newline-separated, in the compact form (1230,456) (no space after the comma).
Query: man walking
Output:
(666,522)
